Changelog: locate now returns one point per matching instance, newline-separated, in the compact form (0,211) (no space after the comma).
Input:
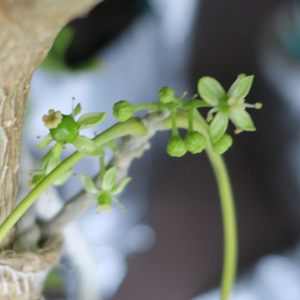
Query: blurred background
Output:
(169,244)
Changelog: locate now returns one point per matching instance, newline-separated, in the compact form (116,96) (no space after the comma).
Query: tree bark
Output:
(27,31)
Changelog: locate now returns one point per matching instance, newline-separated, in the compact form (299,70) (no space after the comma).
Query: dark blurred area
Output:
(184,209)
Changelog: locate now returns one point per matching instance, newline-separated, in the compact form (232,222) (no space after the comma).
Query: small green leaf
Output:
(77,109)
(121,186)
(45,142)
(45,160)
(90,120)
(56,150)
(210,90)
(112,145)
(109,179)
(88,184)
(86,146)
(242,119)
(52,164)
(63,178)
(218,126)
(241,87)
(36,179)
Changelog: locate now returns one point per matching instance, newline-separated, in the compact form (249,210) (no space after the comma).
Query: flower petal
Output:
(86,146)
(109,179)
(242,119)
(241,87)
(88,184)
(210,90)
(121,186)
(218,126)
(45,142)
(77,109)
(90,120)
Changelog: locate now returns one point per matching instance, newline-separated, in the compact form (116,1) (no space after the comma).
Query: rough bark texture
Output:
(22,275)
(27,31)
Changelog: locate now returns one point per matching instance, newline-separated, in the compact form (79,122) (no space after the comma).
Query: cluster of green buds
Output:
(105,194)
(227,106)
(47,164)
(65,130)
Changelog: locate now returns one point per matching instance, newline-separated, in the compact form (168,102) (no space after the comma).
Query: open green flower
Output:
(104,195)
(65,130)
(230,105)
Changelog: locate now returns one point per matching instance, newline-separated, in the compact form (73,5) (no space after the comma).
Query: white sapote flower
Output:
(230,105)
(65,130)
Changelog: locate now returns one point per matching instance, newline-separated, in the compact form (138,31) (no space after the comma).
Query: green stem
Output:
(227,204)
(174,125)
(149,106)
(132,126)
(102,166)
(191,119)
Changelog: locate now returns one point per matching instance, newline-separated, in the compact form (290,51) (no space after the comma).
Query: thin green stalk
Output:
(174,125)
(229,215)
(132,126)
(102,166)
(227,204)
(191,119)
(148,106)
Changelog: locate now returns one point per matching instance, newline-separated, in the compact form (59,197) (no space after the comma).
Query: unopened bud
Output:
(166,95)
(223,144)
(123,110)
(195,142)
(176,147)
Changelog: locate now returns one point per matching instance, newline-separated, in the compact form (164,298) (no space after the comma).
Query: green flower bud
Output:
(176,147)
(104,198)
(222,144)
(123,110)
(166,95)
(66,131)
(195,142)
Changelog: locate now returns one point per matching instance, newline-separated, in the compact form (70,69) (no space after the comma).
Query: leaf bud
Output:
(123,110)
(223,144)
(166,95)
(195,142)
(176,147)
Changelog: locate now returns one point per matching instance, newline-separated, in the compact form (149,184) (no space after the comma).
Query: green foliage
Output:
(55,61)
